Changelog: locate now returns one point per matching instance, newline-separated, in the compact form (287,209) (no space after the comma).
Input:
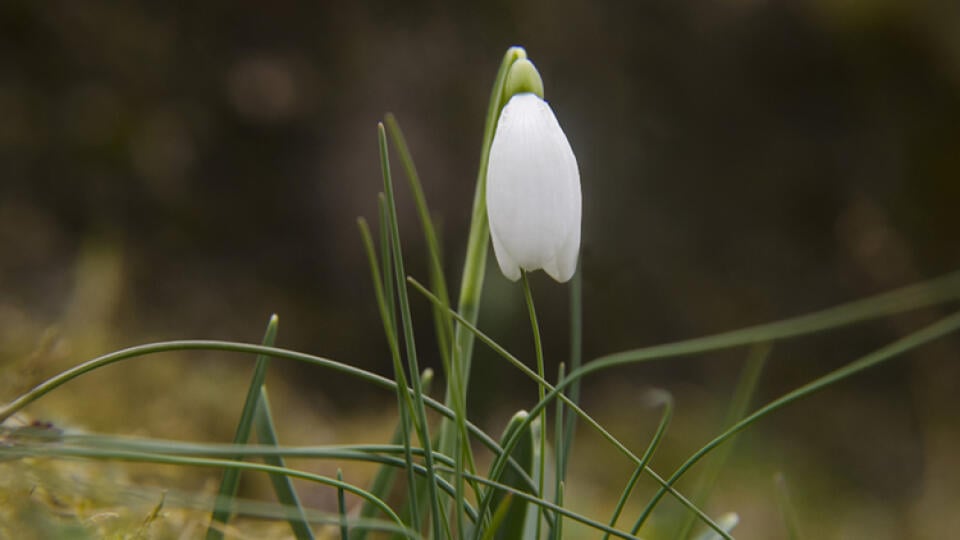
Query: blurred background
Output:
(172,171)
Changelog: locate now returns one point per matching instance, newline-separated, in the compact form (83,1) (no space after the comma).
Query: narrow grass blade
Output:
(558,527)
(421,484)
(534,521)
(558,444)
(656,397)
(576,359)
(419,415)
(553,508)
(515,514)
(386,260)
(342,508)
(231,477)
(382,482)
(442,320)
(494,528)
(157,458)
(106,447)
(387,315)
(271,510)
(787,509)
(384,479)
(419,504)
(746,388)
(935,291)
(282,485)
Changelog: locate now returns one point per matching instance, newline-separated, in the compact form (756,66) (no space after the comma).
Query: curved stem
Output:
(538,350)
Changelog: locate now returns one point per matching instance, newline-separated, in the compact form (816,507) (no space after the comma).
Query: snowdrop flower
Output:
(533,184)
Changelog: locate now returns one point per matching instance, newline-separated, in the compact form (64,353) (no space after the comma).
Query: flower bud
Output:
(533,184)
(523,77)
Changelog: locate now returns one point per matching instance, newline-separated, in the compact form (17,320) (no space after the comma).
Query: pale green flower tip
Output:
(517,51)
(523,78)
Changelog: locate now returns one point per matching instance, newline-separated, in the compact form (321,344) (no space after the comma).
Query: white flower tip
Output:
(561,274)
(508,266)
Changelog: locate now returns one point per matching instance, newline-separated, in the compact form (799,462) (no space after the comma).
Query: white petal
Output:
(508,266)
(533,190)
(565,265)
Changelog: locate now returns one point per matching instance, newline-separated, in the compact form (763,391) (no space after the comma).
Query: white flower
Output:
(533,191)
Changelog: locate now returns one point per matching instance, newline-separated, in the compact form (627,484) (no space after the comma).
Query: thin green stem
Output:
(541,372)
